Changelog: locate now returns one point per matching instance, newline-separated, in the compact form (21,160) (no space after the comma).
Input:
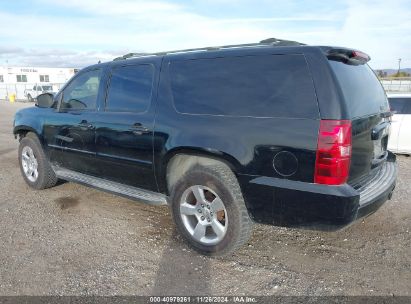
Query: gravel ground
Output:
(73,240)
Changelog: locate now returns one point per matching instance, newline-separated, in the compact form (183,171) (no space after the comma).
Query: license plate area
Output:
(381,142)
(380,147)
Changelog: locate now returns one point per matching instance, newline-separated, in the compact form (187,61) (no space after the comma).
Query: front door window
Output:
(81,93)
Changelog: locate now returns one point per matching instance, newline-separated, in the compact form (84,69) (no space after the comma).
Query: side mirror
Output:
(45,100)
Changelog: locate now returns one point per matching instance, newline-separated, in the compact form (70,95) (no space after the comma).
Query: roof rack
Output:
(262,43)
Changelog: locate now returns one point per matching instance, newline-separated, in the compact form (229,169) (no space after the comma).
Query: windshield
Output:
(363,93)
(47,88)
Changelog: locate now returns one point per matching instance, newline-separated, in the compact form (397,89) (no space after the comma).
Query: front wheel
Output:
(29,98)
(209,210)
(34,164)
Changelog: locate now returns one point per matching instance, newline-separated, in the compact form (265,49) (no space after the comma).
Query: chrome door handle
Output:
(85,125)
(139,129)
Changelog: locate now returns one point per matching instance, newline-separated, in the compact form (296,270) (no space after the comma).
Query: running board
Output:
(134,193)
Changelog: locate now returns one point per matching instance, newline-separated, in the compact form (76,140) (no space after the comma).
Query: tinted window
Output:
(399,105)
(82,91)
(259,86)
(130,88)
(362,91)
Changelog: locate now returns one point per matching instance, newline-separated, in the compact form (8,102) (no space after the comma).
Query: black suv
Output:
(275,132)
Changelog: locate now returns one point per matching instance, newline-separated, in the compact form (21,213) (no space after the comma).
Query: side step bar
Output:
(130,192)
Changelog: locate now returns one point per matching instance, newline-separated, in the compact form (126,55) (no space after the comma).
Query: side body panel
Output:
(31,119)
(69,138)
(247,144)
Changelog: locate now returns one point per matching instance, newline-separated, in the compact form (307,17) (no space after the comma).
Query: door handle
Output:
(139,129)
(85,125)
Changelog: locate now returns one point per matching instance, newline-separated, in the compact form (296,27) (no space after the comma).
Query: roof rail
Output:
(262,43)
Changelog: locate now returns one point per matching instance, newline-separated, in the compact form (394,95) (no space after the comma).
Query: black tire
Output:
(29,98)
(223,182)
(46,176)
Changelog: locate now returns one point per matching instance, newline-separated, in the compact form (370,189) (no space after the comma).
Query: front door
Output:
(124,129)
(70,133)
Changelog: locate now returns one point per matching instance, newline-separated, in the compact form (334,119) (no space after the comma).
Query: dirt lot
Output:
(72,240)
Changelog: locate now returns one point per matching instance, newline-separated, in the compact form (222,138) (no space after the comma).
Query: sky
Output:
(76,33)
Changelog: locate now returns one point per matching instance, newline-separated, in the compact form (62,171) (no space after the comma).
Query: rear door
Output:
(124,130)
(368,109)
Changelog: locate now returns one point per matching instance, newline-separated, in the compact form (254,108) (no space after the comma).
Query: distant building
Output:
(19,75)
(15,80)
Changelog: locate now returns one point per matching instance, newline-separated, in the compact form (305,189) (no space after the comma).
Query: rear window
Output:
(257,86)
(362,91)
(400,105)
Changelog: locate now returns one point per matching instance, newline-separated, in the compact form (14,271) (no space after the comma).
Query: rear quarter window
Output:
(256,86)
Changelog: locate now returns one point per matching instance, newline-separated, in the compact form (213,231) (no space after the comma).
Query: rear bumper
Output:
(292,203)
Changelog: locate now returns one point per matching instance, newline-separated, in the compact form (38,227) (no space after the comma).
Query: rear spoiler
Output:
(348,56)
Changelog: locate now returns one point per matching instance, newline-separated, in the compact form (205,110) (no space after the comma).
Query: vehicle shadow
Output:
(182,271)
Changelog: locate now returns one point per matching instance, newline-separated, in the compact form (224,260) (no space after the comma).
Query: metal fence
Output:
(18,89)
(396,84)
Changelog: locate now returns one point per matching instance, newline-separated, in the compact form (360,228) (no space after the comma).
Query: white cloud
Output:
(381,28)
(114,27)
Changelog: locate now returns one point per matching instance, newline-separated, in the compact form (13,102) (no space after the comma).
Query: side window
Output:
(130,88)
(81,93)
(258,86)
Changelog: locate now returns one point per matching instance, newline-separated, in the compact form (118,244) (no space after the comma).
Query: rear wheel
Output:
(34,164)
(209,210)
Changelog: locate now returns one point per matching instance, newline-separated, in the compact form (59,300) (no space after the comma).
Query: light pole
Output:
(399,67)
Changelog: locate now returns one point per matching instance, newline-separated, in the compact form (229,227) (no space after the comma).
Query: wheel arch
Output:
(179,160)
(22,130)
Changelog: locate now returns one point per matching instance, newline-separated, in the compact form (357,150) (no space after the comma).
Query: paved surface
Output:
(74,240)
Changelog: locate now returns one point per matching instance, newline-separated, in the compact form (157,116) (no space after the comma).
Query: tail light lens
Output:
(332,163)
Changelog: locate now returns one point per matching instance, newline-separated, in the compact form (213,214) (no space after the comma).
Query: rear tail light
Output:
(332,163)
(360,56)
